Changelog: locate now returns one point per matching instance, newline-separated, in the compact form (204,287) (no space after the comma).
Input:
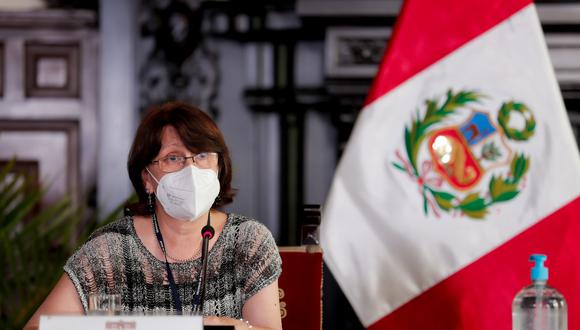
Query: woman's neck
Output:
(176,230)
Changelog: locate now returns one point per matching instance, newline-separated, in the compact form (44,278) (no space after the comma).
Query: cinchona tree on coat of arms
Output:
(461,154)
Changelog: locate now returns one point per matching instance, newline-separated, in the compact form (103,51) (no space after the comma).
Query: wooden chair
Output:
(300,285)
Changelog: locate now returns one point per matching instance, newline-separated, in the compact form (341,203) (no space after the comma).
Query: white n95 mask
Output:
(187,193)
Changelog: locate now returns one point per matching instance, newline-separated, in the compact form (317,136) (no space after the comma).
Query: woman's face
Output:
(172,145)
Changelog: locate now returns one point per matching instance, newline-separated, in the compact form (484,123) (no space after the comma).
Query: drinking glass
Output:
(104,304)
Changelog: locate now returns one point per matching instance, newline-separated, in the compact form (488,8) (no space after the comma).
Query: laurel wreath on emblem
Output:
(501,188)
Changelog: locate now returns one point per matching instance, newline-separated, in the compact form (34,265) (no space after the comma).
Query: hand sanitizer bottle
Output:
(539,306)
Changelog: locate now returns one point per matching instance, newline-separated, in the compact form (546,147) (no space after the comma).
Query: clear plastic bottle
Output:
(539,306)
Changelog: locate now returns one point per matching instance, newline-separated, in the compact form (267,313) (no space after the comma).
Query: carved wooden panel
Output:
(52,70)
(354,52)
(48,106)
(53,144)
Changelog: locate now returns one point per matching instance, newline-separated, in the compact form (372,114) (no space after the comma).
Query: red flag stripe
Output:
(494,280)
(421,38)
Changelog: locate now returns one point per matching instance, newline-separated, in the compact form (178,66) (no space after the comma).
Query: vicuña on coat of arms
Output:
(461,155)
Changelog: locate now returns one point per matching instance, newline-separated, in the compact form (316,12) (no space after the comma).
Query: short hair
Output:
(198,132)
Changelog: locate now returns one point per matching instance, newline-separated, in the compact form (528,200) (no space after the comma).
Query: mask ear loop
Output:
(153,176)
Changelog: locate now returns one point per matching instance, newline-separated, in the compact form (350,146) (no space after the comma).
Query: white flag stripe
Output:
(409,253)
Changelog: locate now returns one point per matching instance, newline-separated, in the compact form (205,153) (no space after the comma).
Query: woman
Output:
(180,168)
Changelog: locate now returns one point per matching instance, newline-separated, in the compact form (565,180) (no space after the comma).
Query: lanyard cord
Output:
(172,285)
(198,297)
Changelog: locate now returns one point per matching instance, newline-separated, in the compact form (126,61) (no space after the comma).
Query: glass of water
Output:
(104,304)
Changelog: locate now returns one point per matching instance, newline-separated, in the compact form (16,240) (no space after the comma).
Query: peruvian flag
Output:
(461,165)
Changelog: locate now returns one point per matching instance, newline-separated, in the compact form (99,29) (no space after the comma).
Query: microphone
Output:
(207,233)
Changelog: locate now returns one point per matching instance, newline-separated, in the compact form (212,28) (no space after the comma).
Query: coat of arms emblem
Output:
(460,156)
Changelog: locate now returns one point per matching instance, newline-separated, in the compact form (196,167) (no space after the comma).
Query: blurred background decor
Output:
(36,239)
(284,80)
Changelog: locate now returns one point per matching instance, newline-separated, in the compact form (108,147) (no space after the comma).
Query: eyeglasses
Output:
(170,164)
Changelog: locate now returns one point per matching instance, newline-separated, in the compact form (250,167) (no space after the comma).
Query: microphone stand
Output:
(207,233)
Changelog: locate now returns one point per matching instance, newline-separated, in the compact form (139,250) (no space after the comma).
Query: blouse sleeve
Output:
(261,263)
(91,267)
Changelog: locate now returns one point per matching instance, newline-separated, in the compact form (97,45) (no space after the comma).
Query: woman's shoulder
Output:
(247,235)
(110,234)
(243,225)
(122,226)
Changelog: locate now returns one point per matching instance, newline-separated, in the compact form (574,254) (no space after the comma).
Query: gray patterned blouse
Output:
(243,260)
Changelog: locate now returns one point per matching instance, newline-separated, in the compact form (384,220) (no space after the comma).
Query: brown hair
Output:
(197,131)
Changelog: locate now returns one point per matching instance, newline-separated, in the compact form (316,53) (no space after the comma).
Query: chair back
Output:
(300,287)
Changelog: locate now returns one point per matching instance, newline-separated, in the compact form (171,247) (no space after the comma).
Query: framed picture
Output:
(52,70)
(27,169)
(354,52)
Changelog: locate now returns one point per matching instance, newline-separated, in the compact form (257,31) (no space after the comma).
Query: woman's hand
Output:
(239,324)
(261,311)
